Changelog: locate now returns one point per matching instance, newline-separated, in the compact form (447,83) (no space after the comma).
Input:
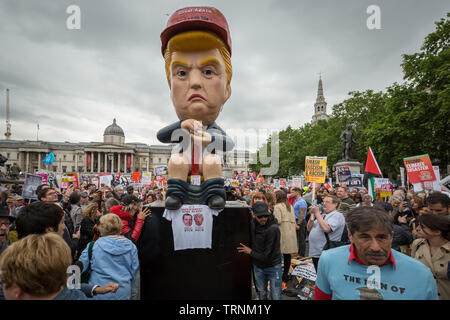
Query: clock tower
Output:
(320,107)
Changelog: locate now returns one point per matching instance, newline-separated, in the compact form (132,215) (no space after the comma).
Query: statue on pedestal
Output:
(346,143)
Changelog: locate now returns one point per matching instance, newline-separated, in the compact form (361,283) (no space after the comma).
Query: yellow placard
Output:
(315,169)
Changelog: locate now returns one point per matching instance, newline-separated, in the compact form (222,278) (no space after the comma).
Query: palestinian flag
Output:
(371,187)
(371,164)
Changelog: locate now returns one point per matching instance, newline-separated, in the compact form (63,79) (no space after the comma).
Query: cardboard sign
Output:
(32,182)
(316,169)
(419,168)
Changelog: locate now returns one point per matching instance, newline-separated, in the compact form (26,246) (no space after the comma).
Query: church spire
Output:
(320,107)
(320,96)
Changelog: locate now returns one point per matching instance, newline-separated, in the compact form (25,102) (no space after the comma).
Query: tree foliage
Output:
(407,119)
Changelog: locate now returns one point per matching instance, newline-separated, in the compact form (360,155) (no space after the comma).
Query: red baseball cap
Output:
(196,18)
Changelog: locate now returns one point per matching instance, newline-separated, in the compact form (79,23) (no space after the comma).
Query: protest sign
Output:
(419,169)
(276,183)
(296,182)
(105,179)
(74,178)
(146,178)
(305,270)
(160,170)
(315,169)
(356,180)
(44,176)
(136,177)
(283,183)
(344,174)
(32,182)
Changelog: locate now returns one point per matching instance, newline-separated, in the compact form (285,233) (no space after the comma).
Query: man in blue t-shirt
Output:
(300,210)
(368,269)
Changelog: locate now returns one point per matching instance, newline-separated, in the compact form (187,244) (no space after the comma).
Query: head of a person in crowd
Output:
(18,200)
(296,192)
(91,187)
(48,195)
(130,204)
(246,191)
(354,191)
(357,198)
(149,198)
(110,225)
(260,212)
(417,203)
(410,195)
(159,196)
(281,197)
(11,201)
(399,193)
(438,203)
(342,192)
(74,198)
(395,201)
(367,199)
(130,190)
(5,221)
(109,203)
(370,230)
(90,211)
(35,267)
(119,190)
(363,191)
(330,203)
(387,207)
(257,196)
(40,217)
(432,226)
(84,198)
(40,187)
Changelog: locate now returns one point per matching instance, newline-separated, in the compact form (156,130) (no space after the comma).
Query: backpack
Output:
(87,274)
(334,244)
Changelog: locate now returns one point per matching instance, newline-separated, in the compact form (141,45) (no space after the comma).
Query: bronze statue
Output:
(346,143)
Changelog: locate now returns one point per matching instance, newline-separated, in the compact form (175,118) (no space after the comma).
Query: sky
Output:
(73,82)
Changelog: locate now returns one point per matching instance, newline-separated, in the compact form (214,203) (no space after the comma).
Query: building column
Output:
(20,160)
(132,162)
(112,162)
(39,161)
(98,162)
(27,164)
(118,161)
(105,168)
(76,162)
(148,161)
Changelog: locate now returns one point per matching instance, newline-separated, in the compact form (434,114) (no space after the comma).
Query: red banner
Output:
(88,160)
(128,161)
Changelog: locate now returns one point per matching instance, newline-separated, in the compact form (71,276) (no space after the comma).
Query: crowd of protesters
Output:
(99,229)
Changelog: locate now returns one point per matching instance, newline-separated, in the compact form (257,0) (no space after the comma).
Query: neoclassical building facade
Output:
(111,155)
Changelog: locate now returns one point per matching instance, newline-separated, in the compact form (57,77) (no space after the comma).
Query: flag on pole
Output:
(49,159)
(371,187)
(371,164)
